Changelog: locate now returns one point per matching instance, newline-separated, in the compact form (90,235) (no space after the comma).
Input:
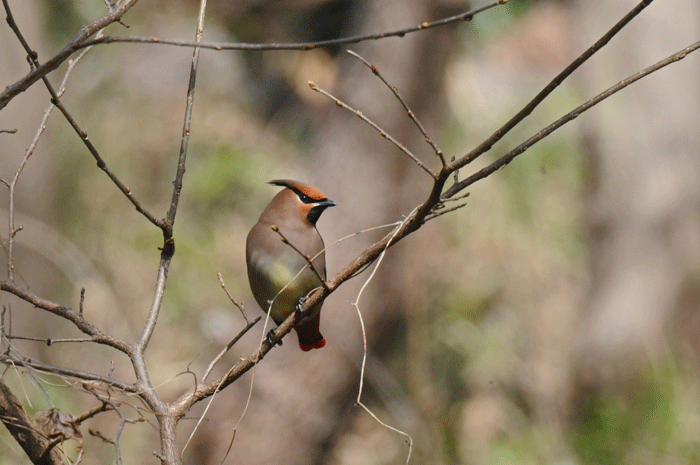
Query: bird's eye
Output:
(304,198)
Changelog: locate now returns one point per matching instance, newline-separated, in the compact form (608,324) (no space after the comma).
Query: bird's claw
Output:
(270,338)
(299,313)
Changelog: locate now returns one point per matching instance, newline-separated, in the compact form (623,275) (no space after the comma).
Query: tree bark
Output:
(23,429)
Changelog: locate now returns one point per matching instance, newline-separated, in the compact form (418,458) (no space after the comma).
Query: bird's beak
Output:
(326,203)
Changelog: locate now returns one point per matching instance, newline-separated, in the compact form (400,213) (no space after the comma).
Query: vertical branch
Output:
(188,118)
(169,241)
(167,415)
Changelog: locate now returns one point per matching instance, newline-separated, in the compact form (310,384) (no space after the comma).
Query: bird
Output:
(273,264)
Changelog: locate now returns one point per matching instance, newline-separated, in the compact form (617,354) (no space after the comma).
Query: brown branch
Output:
(22,428)
(69,314)
(410,113)
(93,412)
(466,16)
(55,100)
(575,113)
(82,40)
(381,132)
(69,373)
(240,306)
(303,255)
(73,45)
(229,345)
(527,109)
(109,403)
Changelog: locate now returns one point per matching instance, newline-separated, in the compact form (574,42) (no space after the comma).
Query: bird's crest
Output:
(314,194)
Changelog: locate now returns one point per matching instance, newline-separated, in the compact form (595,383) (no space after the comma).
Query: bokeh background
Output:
(554,320)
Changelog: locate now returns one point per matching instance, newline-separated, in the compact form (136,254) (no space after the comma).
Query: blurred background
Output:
(554,320)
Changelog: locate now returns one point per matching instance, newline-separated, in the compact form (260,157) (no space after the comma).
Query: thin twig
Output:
(91,413)
(55,100)
(48,341)
(122,421)
(82,41)
(68,314)
(8,131)
(302,254)
(441,212)
(75,43)
(410,113)
(527,109)
(169,241)
(383,133)
(228,347)
(466,16)
(356,304)
(206,409)
(69,372)
(240,306)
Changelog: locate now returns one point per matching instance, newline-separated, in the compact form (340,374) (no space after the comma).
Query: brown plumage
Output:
(272,264)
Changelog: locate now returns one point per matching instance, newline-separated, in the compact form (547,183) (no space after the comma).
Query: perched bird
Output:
(273,264)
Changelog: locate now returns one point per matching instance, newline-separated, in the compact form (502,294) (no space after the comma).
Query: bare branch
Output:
(527,109)
(466,16)
(22,428)
(240,306)
(69,314)
(440,212)
(37,73)
(381,132)
(81,41)
(91,413)
(303,255)
(122,421)
(410,113)
(229,345)
(69,372)
(48,341)
(508,157)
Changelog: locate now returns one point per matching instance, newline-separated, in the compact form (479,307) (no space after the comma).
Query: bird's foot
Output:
(270,338)
(299,313)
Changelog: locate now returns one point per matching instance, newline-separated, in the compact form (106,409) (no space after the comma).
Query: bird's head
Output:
(306,201)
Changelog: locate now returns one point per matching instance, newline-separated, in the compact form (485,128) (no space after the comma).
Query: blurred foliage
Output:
(647,425)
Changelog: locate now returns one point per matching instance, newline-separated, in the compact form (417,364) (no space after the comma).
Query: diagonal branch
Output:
(413,222)
(302,254)
(527,109)
(374,125)
(410,113)
(55,100)
(575,113)
(20,425)
(37,73)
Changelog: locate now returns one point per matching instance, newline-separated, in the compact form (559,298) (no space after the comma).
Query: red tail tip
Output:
(316,345)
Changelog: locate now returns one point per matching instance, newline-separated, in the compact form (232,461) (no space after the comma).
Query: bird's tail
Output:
(309,335)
